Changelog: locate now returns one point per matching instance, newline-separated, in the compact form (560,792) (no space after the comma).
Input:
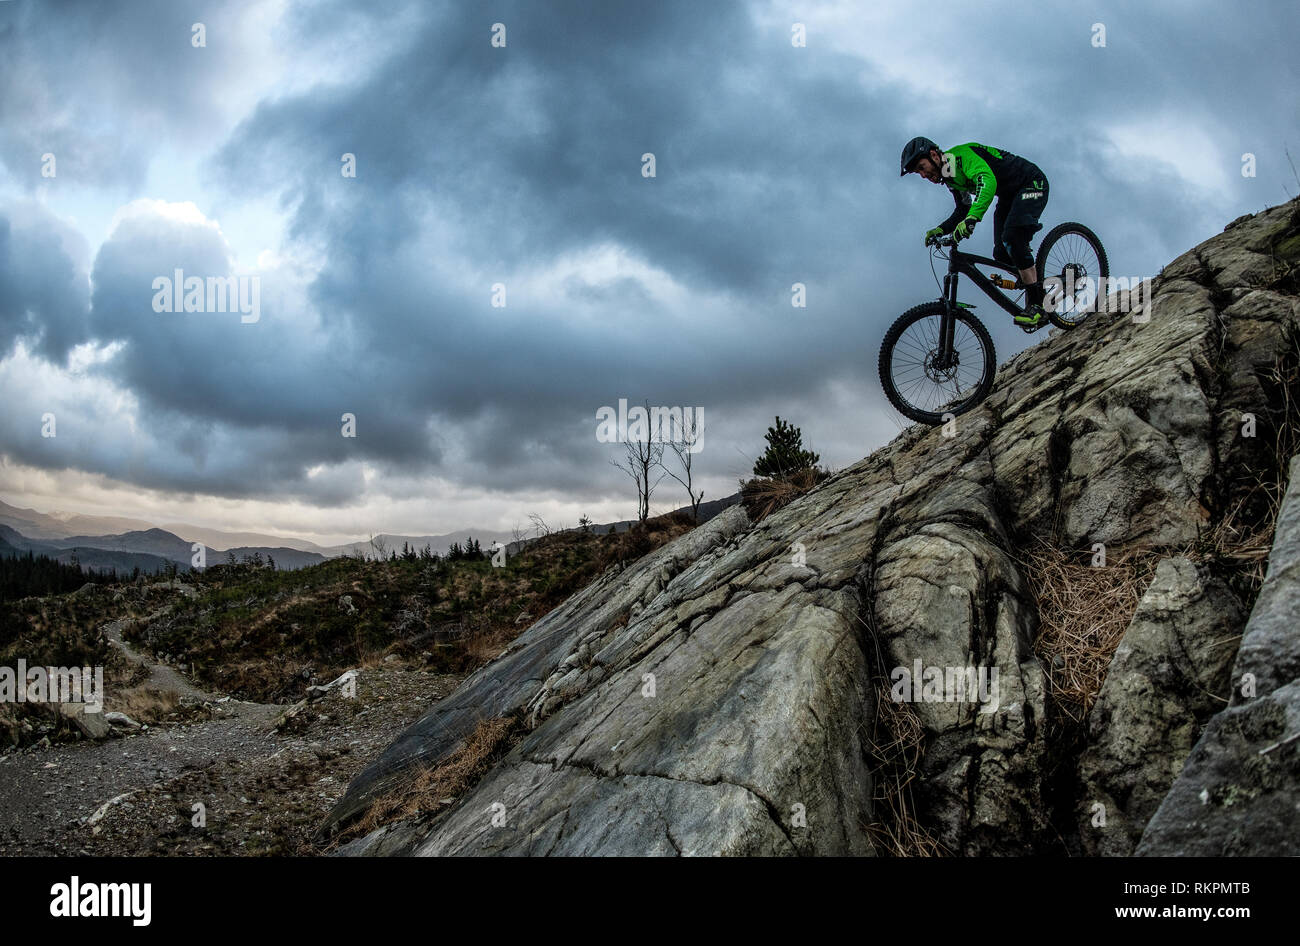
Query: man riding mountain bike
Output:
(975,174)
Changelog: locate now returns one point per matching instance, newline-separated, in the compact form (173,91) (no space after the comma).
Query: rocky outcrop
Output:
(1170,673)
(736,691)
(1237,794)
(548,653)
(91,725)
(947,594)
(1270,648)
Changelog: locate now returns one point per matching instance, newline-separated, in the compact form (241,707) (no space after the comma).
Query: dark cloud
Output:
(103,85)
(522,165)
(43,284)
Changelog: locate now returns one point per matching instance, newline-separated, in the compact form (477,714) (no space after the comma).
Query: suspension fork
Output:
(948,322)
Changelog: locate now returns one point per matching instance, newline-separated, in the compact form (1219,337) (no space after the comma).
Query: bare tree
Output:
(539,525)
(519,533)
(683,450)
(642,458)
(379,545)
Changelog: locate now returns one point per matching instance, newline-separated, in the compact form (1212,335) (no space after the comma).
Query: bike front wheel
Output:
(1074,270)
(916,378)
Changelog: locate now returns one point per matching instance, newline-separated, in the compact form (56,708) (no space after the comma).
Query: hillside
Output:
(747,688)
(228,682)
(152,549)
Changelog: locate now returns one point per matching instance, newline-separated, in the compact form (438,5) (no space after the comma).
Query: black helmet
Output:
(915,149)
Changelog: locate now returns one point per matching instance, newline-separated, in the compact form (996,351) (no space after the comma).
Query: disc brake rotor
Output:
(941,374)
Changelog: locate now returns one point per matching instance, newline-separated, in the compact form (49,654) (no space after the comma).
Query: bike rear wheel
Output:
(1073,268)
(910,371)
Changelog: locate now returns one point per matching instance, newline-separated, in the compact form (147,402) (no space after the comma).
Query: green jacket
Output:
(978,173)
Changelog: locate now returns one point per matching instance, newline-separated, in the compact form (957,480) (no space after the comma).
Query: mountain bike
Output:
(937,358)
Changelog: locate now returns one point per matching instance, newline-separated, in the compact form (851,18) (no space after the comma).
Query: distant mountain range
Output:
(150,550)
(89,556)
(61,526)
(91,541)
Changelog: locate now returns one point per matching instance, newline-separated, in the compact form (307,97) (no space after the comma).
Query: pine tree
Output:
(785,454)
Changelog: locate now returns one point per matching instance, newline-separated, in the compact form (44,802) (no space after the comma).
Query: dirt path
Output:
(228,782)
(161,676)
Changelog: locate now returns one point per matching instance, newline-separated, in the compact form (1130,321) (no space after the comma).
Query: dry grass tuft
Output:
(896,745)
(486,645)
(764,495)
(371,658)
(1240,542)
(1083,613)
(1240,536)
(1284,380)
(432,788)
(147,704)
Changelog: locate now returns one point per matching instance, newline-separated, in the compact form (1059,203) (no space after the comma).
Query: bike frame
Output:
(959,264)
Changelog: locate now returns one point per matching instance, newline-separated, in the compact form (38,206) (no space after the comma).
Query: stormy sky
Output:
(129,151)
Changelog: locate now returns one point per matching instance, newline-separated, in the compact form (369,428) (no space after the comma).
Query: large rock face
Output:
(1238,793)
(1169,675)
(728,693)
(1270,647)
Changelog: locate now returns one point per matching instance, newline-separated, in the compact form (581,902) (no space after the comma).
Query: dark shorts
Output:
(1015,221)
